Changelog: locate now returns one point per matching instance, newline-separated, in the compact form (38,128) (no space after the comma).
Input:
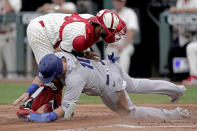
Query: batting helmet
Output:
(112,23)
(50,67)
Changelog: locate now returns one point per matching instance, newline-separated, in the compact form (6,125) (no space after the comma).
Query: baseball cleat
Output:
(191,80)
(184,113)
(23,112)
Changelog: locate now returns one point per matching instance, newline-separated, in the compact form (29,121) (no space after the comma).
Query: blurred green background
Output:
(9,92)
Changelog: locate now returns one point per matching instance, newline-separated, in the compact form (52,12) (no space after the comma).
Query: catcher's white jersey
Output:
(42,36)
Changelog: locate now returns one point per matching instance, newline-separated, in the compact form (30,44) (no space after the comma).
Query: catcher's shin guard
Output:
(42,96)
(49,95)
(56,102)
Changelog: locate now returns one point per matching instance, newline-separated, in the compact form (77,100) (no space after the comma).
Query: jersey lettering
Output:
(85,63)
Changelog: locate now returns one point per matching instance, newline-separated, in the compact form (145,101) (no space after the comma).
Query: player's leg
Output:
(9,54)
(146,86)
(192,59)
(38,40)
(1,58)
(155,113)
(120,103)
(116,101)
(125,57)
(56,102)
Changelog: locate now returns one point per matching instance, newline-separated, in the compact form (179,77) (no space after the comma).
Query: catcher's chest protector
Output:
(84,43)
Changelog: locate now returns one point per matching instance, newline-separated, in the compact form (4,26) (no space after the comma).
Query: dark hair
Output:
(95,24)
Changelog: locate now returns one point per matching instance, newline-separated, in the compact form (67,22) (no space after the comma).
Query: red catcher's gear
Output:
(80,43)
(112,23)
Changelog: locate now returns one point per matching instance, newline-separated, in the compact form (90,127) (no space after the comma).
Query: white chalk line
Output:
(126,126)
(9,117)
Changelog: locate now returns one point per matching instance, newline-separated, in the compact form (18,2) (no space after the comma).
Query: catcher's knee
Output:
(50,97)
(55,103)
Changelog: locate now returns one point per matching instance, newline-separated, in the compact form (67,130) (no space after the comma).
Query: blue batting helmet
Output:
(50,67)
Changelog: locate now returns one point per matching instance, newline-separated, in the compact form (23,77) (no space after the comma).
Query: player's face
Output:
(118,4)
(103,33)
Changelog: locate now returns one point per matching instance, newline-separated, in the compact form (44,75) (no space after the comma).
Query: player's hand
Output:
(92,55)
(22,98)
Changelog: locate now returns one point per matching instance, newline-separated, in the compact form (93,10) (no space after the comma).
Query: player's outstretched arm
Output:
(36,83)
(23,98)
(46,117)
(62,111)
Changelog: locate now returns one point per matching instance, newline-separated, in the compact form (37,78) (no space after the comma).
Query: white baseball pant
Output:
(191,51)
(110,99)
(38,40)
(8,51)
(144,86)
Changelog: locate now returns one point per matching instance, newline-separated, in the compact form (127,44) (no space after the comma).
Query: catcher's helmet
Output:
(112,23)
(50,67)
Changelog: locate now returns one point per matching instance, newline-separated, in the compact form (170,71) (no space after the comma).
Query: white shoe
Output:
(184,113)
(190,81)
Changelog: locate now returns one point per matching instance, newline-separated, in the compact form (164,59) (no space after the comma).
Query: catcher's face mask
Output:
(112,23)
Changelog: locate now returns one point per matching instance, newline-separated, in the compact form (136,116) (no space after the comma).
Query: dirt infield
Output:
(99,118)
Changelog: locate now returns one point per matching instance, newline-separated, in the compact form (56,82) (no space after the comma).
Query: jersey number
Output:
(85,63)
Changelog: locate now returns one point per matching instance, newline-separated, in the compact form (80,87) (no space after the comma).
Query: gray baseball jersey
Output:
(106,79)
(90,77)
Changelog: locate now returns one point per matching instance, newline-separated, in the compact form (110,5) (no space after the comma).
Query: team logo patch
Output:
(66,105)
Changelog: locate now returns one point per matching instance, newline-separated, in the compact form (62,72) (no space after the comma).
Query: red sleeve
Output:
(79,43)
